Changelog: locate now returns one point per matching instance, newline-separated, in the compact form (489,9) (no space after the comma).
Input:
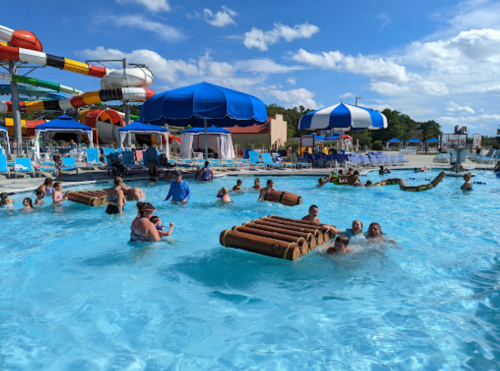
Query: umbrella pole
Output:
(206,139)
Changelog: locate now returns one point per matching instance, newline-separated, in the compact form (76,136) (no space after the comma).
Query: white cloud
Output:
(472,14)
(347,95)
(221,19)
(153,6)
(376,68)
(478,122)
(295,97)
(384,19)
(261,40)
(291,81)
(165,31)
(493,90)
(456,109)
(264,66)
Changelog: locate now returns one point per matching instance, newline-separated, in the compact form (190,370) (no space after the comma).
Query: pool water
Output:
(76,295)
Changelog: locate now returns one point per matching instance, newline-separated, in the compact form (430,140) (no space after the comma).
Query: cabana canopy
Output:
(394,140)
(61,124)
(414,140)
(4,133)
(218,139)
(432,140)
(317,138)
(138,127)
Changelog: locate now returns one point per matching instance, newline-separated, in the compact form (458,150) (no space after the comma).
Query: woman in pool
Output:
(28,205)
(6,203)
(467,186)
(116,198)
(142,229)
(256,184)
(206,173)
(47,187)
(57,196)
(375,233)
(223,195)
(135,192)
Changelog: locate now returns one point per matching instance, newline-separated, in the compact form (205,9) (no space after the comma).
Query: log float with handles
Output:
(403,185)
(316,232)
(309,237)
(83,198)
(297,223)
(261,245)
(285,198)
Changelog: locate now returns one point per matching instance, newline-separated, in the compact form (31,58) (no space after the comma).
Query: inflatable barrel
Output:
(261,245)
(285,198)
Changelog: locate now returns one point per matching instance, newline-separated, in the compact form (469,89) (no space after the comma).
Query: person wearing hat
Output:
(179,190)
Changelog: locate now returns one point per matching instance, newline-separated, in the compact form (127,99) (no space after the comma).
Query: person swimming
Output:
(206,173)
(48,186)
(375,233)
(238,187)
(157,222)
(223,195)
(340,246)
(269,188)
(115,197)
(356,230)
(135,192)
(256,184)
(179,190)
(6,202)
(467,186)
(142,229)
(313,214)
(57,196)
(40,195)
(28,205)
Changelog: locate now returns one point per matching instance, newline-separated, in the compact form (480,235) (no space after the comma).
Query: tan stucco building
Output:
(275,129)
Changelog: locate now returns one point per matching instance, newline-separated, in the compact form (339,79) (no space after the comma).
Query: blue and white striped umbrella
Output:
(343,117)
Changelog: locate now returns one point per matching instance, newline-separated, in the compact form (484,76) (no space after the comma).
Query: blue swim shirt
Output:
(179,191)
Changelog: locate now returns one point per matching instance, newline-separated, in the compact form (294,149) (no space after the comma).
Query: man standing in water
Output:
(179,190)
(269,188)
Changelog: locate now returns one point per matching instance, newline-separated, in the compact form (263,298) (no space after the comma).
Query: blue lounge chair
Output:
(254,160)
(129,161)
(93,158)
(107,152)
(402,159)
(300,164)
(266,158)
(4,169)
(23,165)
(69,164)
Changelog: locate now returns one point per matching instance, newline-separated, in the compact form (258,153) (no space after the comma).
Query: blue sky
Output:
(435,60)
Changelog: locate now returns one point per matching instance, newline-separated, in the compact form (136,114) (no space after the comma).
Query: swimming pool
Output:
(75,295)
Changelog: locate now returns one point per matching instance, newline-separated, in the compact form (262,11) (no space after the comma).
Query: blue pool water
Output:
(75,295)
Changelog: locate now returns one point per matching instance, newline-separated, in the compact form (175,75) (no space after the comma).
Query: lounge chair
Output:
(107,152)
(254,160)
(442,158)
(300,164)
(69,164)
(281,160)
(128,161)
(4,169)
(23,165)
(402,159)
(93,158)
(47,166)
(266,158)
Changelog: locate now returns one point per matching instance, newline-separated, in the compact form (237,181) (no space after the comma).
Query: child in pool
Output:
(39,197)
(467,186)
(28,205)
(238,186)
(157,222)
(340,246)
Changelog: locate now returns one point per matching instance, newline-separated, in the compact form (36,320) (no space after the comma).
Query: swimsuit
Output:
(206,174)
(49,190)
(159,227)
(135,235)
(113,209)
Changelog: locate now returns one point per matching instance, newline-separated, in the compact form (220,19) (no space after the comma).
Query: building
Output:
(275,129)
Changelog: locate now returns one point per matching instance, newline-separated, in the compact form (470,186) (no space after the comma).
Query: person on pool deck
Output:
(57,196)
(47,187)
(340,246)
(460,167)
(265,191)
(58,165)
(142,229)
(206,173)
(28,205)
(151,155)
(467,186)
(115,197)
(157,222)
(256,184)
(179,190)
(6,202)
(223,195)
(40,195)
(238,187)
(356,230)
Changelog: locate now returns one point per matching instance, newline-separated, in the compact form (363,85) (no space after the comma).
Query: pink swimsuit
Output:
(135,235)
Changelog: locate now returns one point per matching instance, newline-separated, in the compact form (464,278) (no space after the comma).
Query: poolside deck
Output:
(24,184)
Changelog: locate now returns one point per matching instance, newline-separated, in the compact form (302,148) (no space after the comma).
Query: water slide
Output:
(40,83)
(31,92)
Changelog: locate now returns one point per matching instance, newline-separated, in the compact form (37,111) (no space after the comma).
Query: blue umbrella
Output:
(343,117)
(317,138)
(196,104)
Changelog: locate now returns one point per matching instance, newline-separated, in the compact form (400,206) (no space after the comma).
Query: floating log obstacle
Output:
(285,198)
(277,236)
(91,198)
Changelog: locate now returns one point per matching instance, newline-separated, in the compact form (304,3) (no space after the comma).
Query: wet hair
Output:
(144,208)
(356,172)
(312,207)
(374,224)
(350,169)
(39,192)
(257,180)
(57,184)
(30,203)
(118,181)
(321,181)
(152,179)
(342,239)
(341,172)
(239,181)
(269,182)
(467,176)
(368,182)
(207,163)
(48,181)
(360,222)
(224,190)
(3,198)
(154,219)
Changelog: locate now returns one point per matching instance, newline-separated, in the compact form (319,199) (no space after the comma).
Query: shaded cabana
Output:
(219,140)
(65,125)
(138,127)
